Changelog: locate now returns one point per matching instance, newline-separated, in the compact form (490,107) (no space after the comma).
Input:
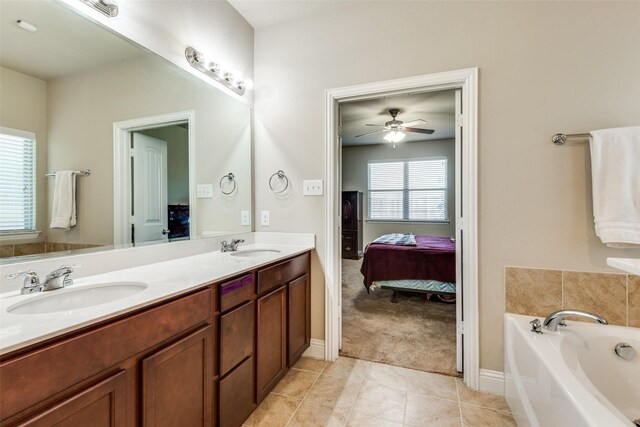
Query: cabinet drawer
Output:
(236,292)
(236,336)
(35,376)
(237,395)
(271,277)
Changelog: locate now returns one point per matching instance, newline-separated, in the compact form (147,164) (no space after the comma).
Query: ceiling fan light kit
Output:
(397,129)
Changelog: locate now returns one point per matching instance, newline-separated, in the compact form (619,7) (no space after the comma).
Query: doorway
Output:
(398,245)
(154,173)
(466,205)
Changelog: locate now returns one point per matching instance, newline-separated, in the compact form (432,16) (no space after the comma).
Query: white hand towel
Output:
(64,200)
(615,170)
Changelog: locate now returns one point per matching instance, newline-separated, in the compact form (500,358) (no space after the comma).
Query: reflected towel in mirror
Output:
(64,200)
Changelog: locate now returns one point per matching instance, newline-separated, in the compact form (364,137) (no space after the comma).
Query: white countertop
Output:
(630,265)
(165,279)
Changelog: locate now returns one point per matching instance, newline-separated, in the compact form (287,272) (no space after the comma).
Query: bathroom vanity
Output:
(204,356)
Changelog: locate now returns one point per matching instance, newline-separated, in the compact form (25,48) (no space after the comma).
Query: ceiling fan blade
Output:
(414,122)
(416,130)
(381,126)
(370,133)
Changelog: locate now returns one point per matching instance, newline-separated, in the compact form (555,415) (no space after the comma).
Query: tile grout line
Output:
(305,395)
(358,394)
(459,404)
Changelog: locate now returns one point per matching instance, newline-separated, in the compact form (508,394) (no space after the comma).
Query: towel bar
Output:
(81,173)
(561,138)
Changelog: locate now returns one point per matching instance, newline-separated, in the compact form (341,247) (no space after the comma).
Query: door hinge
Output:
(340,131)
(460,224)
(461,327)
(132,152)
(459,120)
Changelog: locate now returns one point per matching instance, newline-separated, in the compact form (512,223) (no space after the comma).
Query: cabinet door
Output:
(271,340)
(177,382)
(299,317)
(102,405)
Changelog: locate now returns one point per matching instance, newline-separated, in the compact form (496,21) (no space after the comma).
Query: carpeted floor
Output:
(414,333)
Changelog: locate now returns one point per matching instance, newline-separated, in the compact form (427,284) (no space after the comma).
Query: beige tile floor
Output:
(352,392)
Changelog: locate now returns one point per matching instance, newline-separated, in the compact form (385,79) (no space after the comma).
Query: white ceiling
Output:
(262,13)
(64,43)
(437,108)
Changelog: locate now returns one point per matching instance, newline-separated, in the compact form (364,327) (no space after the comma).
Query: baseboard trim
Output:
(492,381)
(315,350)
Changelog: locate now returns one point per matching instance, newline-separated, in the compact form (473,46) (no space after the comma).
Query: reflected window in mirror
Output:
(17,177)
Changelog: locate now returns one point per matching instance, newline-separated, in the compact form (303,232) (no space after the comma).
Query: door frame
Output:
(122,168)
(467,80)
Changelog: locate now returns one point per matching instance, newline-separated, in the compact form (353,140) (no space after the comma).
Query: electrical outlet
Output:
(312,187)
(245,219)
(204,191)
(264,218)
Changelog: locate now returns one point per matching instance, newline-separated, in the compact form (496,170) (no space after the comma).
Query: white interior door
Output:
(459,234)
(150,194)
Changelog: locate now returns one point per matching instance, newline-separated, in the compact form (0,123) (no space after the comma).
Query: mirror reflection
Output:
(103,143)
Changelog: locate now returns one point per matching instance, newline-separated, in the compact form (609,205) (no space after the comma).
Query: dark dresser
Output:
(351,224)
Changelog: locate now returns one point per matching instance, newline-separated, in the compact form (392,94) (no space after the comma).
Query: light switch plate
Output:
(264,218)
(204,191)
(245,219)
(312,187)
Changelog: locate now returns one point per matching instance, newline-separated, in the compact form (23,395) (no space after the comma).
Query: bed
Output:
(429,266)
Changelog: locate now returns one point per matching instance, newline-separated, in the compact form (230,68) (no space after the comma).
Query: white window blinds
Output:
(17,180)
(408,190)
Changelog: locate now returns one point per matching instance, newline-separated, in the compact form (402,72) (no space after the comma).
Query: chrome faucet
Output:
(31,282)
(58,278)
(554,319)
(231,246)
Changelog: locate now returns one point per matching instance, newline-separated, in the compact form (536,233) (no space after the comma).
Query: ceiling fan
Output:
(397,128)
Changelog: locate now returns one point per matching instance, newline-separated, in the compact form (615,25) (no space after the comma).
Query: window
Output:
(17,180)
(408,190)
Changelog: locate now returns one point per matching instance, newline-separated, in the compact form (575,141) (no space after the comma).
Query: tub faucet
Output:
(554,319)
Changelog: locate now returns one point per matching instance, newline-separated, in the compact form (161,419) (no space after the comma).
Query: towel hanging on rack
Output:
(64,200)
(615,160)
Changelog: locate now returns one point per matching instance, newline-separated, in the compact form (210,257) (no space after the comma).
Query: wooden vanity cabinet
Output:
(283,320)
(139,368)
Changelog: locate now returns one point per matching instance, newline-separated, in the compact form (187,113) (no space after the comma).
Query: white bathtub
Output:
(571,377)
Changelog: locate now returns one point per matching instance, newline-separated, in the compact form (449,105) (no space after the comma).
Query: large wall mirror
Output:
(148,152)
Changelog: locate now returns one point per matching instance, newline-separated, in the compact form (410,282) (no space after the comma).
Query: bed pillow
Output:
(400,239)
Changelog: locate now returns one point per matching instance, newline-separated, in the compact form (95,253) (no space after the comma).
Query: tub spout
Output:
(553,320)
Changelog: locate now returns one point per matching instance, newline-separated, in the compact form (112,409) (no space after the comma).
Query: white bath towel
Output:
(64,200)
(615,170)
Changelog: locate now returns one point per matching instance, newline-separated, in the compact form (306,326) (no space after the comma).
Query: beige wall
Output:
(545,67)
(177,139)
(23,106)
(354,178)
(83,107)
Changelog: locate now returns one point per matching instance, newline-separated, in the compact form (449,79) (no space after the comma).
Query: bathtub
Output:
(571,377)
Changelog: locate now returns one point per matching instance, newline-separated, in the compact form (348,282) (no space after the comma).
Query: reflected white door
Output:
(150,194)
(459,234)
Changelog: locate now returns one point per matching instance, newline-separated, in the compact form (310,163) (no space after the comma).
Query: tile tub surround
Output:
(539,292)
(353,392)
(21,249)
(165,279)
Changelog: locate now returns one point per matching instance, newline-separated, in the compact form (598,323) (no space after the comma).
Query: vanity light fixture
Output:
(212,69)
(26,25)
(107,7)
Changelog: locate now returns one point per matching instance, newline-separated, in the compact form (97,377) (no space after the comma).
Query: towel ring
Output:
(280,175)
(231,177)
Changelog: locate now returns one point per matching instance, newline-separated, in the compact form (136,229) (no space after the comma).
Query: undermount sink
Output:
(249,253)
(77,298)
